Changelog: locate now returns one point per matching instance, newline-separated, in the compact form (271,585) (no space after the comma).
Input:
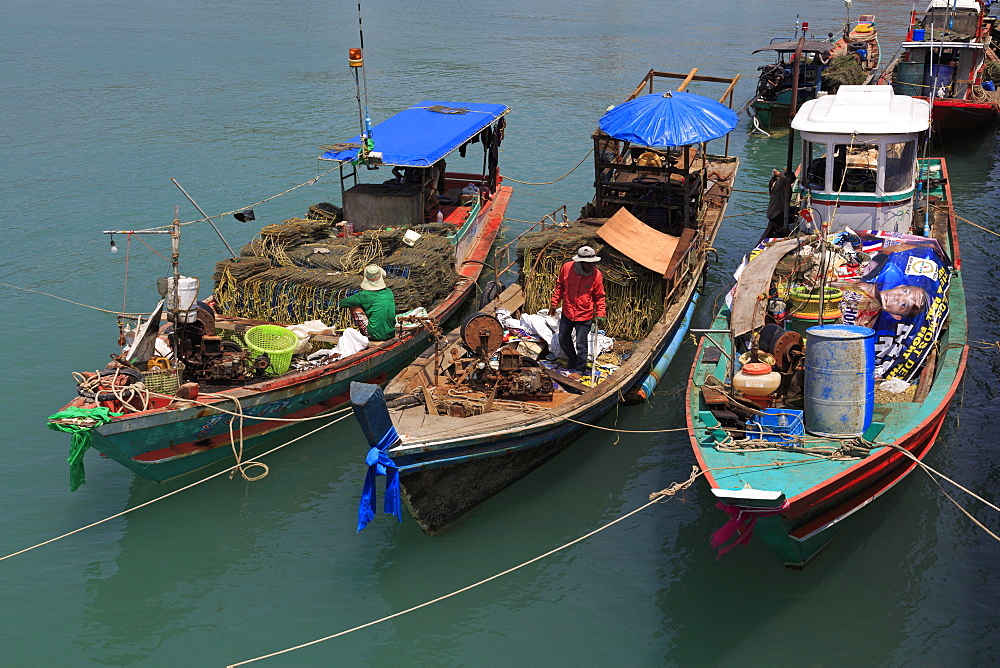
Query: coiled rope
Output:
(237,444)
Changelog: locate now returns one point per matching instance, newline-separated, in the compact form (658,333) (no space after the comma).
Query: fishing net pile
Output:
(843,70)
(634,294)
(299,270)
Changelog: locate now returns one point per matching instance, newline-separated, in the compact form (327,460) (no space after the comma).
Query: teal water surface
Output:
(105,101)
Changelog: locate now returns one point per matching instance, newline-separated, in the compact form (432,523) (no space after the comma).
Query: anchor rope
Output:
(168,494)
(931,471)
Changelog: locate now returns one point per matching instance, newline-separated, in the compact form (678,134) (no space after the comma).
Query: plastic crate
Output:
(769,426)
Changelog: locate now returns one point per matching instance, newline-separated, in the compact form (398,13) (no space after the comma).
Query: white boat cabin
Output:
(859,157)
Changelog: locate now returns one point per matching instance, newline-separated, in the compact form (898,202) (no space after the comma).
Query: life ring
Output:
(131,375)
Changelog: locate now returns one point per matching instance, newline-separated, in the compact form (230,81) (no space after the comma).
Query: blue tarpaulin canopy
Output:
(424,133)
(669,119)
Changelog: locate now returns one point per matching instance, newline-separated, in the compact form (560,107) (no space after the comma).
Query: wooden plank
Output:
(687,80)
(511,299)
(240,326)
(429,400)
(574,386)
(748,310)
(490,399)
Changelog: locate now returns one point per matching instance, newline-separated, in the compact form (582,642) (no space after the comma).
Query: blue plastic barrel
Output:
(941,77)
(839,392)
(918,34)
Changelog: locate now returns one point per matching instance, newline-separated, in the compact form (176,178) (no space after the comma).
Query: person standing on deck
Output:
(378,303)
(580,290)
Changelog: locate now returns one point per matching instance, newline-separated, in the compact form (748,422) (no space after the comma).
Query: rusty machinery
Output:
(500,366)
(207,357)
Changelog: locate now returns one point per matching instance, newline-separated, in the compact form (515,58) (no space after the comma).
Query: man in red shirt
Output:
(580,290)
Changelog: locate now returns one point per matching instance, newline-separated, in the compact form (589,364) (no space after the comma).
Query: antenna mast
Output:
(356,61)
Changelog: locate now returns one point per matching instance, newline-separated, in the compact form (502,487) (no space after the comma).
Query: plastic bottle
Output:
(440,216)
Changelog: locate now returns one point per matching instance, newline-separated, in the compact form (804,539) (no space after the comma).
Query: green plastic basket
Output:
(279,344)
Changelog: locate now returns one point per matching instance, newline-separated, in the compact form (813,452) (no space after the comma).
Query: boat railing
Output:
(503,254)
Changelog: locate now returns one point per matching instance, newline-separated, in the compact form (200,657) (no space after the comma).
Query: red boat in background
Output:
(948,59)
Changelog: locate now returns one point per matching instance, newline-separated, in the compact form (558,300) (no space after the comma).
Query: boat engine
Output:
(206,357)
(506,371)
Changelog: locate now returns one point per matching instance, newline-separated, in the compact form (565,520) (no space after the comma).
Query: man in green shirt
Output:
(377,302)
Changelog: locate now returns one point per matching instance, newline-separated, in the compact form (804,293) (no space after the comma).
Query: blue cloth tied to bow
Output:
(379,463)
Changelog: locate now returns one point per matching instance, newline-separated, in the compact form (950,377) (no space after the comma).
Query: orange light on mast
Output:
(354,58)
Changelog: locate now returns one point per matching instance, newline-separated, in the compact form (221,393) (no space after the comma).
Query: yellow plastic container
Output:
(804,303)
(279,344)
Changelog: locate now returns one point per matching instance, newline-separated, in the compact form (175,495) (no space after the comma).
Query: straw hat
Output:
(373,278)
(586,254)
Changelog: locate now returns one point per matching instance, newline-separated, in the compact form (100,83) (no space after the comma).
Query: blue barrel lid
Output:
(839,331)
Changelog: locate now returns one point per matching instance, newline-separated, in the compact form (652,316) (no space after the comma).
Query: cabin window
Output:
(855,168)
(815,160)
(899,161)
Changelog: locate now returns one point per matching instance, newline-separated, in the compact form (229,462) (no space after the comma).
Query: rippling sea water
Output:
(105,101)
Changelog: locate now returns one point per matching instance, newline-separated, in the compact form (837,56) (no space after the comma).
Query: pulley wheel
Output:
(784,347)
(479,325)
(769,336)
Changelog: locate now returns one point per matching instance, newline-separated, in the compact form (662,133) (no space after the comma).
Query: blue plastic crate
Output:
(770,428)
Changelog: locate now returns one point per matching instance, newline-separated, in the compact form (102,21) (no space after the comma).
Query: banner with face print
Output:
(901,293)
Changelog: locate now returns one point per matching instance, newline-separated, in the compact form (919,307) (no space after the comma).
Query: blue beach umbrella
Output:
(669,119)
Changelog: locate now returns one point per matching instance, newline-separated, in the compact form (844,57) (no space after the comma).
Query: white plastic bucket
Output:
(184,299)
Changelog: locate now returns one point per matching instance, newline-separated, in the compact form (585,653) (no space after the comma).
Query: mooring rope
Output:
(930,471)
(656,497)
(748,213)
(96,308)
(310,182)
(546,183)
(239,413)
(622,431)
(168,494)
(965,220)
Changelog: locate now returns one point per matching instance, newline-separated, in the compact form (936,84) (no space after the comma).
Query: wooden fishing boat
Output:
(794,440)
(820,70)
(948,57)
(240,395)
(473,413)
